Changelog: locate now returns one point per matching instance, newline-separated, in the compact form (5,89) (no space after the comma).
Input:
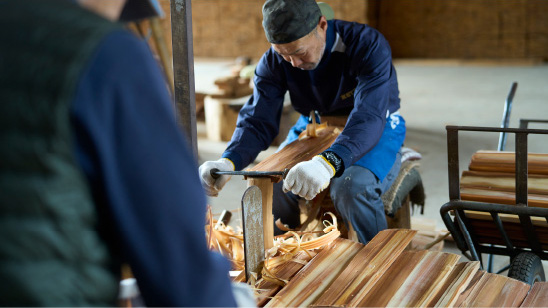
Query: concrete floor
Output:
(433,94)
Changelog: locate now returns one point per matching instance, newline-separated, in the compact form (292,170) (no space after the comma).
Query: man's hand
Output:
(309,178)
(211,185)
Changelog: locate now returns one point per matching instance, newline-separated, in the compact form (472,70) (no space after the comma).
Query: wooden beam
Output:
(183,68)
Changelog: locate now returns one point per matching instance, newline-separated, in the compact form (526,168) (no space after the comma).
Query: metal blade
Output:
(216,173)
(252,212)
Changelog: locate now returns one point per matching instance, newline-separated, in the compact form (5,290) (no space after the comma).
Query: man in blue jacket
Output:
(336,68)
(94,170)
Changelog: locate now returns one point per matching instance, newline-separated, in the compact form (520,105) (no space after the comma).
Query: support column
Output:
(183,68)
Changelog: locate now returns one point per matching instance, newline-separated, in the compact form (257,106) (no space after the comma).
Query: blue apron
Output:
(381,158)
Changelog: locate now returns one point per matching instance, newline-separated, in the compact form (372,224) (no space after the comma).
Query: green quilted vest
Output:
(50,250)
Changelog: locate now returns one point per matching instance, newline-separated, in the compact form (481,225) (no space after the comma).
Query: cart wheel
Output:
(527,267)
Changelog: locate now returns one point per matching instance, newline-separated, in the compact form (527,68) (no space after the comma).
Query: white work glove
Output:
(213,186)
(309,178)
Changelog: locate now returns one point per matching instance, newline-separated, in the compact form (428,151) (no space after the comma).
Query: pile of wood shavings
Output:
(229,243)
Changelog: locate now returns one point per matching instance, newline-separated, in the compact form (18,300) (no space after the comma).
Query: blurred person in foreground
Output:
(94,171)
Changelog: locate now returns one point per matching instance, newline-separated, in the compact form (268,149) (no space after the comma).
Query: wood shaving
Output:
(229,243)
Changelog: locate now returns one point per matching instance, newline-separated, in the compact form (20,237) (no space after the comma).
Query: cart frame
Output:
(460,227)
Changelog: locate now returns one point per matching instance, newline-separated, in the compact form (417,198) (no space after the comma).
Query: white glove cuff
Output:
(326,164)
(228,163)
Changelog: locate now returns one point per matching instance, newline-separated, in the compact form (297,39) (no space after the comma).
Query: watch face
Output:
(334,160)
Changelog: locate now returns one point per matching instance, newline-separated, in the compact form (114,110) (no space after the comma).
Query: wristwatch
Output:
(335,161)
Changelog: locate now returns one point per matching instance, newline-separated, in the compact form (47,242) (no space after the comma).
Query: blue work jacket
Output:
(355,77)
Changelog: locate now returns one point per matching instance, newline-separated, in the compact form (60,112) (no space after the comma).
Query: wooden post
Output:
(266,186)
(183,68)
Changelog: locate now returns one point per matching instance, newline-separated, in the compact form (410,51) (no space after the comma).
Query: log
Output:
(505,162)
(499,181)
(500,197)
(499,187)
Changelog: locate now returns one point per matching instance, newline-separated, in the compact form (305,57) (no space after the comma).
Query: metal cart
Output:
(525,264)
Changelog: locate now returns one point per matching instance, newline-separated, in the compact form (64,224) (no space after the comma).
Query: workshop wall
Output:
(465,29)
(456,29)
(233,28)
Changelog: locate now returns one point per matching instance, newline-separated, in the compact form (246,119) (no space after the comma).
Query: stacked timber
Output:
(384,274)
(491,179)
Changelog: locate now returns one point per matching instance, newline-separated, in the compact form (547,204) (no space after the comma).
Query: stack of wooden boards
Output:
(491,179)
(382,274)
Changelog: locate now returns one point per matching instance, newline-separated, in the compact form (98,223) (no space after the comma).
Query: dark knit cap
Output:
(285,21)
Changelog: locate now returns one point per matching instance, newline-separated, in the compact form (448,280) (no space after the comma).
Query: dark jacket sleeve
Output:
(144,178)
(259,120)
(371,99)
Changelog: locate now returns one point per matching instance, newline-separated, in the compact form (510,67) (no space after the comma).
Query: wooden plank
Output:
(266,187)
(317,275)
(538,296)
(299,150)
(462,296)
(412,281)
(496,291)
(505,162)
(366,268)
(459,278)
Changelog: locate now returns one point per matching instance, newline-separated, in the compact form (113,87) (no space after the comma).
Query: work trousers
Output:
(356,195)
